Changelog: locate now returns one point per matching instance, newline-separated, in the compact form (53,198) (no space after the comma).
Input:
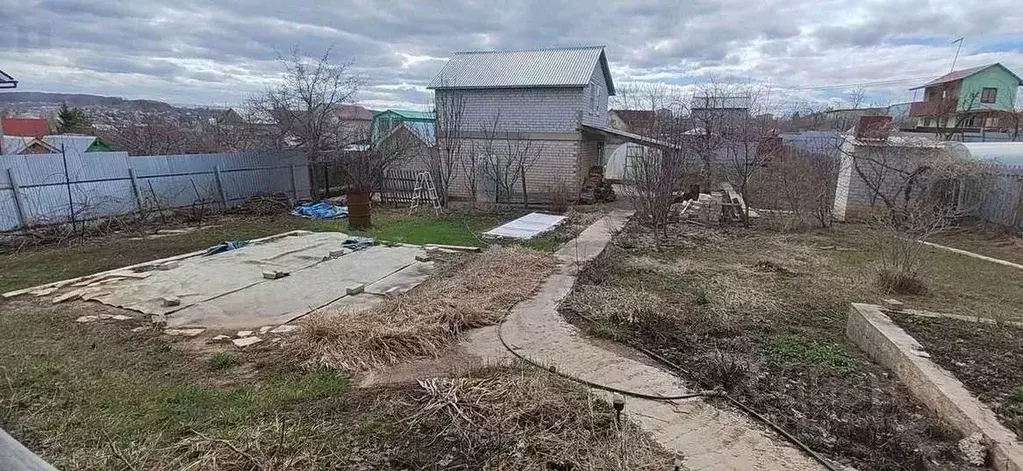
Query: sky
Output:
(808,53)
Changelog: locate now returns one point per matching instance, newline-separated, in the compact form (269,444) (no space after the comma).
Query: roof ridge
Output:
(566,48)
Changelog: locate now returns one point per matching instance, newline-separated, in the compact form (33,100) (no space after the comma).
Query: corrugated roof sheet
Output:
(961,74)
(1006,153)
(554,67)
(76,143)
(410,114)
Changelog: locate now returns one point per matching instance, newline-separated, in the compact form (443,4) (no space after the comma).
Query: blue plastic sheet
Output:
(320,210)
(358,243)
(226,246)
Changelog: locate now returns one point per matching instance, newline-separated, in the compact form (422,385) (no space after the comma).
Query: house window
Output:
(594,98)
(988,95)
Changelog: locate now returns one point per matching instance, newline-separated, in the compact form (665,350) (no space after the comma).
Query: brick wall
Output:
(557,165)
(596,116)
(520,109)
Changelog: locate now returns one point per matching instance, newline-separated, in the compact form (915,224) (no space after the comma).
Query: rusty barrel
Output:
(359,210)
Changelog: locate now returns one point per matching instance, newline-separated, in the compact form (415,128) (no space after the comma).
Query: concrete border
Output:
(14,456)
(974,255)
(890,346)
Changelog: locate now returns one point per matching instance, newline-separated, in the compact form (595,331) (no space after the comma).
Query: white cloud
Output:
(193,51)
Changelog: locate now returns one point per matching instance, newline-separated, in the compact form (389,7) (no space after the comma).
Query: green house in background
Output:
(974,99)
(420,123)
(77,143)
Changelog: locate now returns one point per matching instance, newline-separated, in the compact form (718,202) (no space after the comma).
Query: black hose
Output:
(592,384)
(709,392)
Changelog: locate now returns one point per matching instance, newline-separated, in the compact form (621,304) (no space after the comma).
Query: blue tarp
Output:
(320,210)
(226,246)
(355,243)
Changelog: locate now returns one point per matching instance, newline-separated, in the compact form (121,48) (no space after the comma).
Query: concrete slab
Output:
(526,227)
(403,280)
(276,302)
(890,345)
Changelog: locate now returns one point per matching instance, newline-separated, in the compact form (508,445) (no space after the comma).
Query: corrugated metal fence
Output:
(1005,205)
(48,188)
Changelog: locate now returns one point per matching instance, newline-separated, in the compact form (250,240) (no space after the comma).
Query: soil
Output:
(987,358)
(756,318)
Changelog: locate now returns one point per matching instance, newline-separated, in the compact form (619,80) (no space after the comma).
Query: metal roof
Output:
(553,67)
(73,143)
(961,74)
(6,81)
(13,145)
(1006,153)
(410,114)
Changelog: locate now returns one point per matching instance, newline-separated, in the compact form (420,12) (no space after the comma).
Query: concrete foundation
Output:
(890,346)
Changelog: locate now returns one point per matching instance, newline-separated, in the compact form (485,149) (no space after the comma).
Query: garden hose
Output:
(664,361)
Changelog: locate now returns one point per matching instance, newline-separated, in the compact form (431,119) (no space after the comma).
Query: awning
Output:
(6,81)
(628,136)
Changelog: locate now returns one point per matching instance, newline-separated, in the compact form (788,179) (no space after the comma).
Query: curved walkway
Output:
(708,437)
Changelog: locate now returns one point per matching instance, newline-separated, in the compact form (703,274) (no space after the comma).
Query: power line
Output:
(864,84)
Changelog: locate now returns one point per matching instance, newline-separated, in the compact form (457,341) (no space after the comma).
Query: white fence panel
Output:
(100,184)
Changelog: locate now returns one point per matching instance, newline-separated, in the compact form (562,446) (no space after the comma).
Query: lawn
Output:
(762,314)
(103,396)
(37,265)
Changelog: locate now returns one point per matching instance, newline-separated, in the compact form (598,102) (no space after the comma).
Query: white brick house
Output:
(551,101)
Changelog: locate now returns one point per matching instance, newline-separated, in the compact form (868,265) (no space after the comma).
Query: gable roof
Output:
(537,68)
(6,81)
(410,114)
(74,143)
(25,127)
(961,74)
(14,145)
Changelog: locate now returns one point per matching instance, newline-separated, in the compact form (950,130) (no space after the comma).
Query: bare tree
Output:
(481,151)
(658,172)
(509,166)
(146,133)
(449,111)
(304,105)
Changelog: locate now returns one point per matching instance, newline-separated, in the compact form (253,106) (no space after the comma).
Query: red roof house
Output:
(24,127)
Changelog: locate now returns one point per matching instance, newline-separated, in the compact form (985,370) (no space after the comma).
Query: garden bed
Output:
(986,357)
(762,315)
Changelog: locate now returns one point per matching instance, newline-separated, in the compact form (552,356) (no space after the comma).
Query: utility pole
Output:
(956,58)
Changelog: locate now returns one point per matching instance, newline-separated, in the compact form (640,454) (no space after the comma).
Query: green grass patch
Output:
(223,360)
(38,265)
(789,348)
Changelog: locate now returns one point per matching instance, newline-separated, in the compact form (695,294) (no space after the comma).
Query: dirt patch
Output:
(762,315)
(987,358)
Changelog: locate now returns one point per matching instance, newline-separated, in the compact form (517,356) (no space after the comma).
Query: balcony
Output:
(923,109)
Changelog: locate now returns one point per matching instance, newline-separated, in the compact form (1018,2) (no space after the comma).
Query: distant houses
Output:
(971,99)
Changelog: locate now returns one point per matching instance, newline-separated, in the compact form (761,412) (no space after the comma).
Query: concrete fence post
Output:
(19,204)
(220,186)
(135,189)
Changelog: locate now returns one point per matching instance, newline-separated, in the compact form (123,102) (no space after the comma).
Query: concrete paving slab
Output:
(402,280)
(276,302)
(526,227)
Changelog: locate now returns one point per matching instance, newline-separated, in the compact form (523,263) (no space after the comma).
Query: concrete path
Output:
(15,457)
(708,437)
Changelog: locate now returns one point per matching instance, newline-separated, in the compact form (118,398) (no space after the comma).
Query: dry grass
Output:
(423,321)
(527,419)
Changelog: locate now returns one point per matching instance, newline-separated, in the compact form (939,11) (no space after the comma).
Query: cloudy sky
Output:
(217,53)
